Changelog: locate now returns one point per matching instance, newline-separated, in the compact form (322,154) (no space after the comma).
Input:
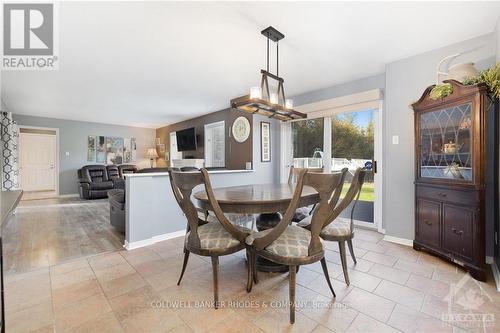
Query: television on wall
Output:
(186,139)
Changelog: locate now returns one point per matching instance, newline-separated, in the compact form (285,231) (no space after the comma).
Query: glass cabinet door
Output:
(446,143)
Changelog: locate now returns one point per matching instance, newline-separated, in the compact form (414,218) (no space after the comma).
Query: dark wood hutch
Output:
(453,144)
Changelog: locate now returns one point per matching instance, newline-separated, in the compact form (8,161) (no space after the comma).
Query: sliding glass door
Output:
(352,147)
(335,141)
(307,143)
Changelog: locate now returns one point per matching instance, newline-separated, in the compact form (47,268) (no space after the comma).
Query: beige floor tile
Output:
(38,317)
(379,258)
(365,324)
(74,292)
(320,286)
(134,302)
(72,277)
(202,319)
(106,323)
(400,294)
(278,320)
(378,248)
(27,292)
(113,272)
(152,320)
(335,316)
(184,328)
(69,266)
(122,285)
(363,280)
(428,286)
(409,320)
(334,270)
(166,279)
(148,268)
(415,268)
(106,260)
(77,313)
(448,276)
(321,329)
(361,265)
(235,324)
(435,306)
(306,276)
(389,273)
(369,304)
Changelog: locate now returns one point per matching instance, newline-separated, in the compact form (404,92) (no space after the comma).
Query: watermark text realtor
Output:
(30,36)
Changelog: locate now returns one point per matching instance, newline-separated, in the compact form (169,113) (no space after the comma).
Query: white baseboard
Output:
(155,239)
(496,275)
(489,260)
(74,195)
(398,240)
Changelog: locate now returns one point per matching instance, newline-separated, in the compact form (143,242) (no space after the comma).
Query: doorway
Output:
(38,162)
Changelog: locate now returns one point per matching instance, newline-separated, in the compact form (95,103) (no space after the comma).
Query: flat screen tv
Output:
(186,139)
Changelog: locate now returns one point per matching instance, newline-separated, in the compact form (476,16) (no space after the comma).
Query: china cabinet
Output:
(455,137)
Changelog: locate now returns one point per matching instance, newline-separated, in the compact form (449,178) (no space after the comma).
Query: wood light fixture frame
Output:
(263,105)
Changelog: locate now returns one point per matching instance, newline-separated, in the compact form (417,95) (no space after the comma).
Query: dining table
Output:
(267,201)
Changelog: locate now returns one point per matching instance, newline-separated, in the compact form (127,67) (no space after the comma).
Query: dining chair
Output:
(214,238)
(292,245)
(338,229)
(301,212)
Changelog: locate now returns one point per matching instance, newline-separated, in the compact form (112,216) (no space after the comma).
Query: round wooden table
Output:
(268,200)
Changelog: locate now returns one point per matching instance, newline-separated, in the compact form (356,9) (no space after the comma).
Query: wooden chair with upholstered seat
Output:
(301,212)
(213,238)
(292,245)
(342,230)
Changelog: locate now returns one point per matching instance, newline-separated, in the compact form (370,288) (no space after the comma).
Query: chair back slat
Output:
(327,185)
(230,227)
(352,194)
(182,185)
(294,173)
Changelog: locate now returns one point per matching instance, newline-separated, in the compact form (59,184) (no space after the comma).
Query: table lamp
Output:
(152,155)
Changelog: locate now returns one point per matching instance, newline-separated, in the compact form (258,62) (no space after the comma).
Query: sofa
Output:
(94,181)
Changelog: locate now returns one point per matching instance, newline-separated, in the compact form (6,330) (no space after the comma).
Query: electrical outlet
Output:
(67,153)
(395,139)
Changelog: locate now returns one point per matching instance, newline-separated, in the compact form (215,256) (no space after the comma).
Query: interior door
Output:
(174,153)
(38,161)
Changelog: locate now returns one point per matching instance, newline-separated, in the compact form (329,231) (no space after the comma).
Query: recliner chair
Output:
(115,177)
(93,182)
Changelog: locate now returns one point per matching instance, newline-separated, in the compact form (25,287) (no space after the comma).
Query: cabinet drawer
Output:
(457,230)
(428,230)
(469,198)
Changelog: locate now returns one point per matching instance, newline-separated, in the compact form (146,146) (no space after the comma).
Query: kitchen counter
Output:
(9,201)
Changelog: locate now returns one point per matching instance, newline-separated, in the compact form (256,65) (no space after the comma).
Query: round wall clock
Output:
(241,129)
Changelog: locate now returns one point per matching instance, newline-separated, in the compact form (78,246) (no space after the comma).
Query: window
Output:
(307,139)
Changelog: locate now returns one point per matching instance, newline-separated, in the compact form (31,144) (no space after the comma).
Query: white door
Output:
(215,149)
(174,154)
(37,162)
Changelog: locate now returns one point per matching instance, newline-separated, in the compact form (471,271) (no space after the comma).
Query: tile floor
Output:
(393,288)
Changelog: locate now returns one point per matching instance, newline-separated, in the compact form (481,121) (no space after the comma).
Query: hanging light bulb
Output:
(273,98)
(289,103)
(256,92)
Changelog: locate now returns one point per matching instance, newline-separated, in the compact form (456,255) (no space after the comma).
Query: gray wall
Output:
(266,172)
(406,80)
(73,139)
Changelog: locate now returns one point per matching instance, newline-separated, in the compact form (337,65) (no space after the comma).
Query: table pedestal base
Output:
(264,222)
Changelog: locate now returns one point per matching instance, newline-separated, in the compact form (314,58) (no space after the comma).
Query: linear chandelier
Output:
(261,100)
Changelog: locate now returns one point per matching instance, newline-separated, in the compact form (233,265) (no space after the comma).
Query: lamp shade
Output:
(151,153)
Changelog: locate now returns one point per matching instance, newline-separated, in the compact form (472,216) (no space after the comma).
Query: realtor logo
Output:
(29,36)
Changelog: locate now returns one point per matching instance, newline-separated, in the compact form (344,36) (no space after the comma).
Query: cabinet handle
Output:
(457,232)
(441,194)
(427,222)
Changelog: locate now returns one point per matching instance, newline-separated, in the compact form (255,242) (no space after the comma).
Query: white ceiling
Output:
(153,63)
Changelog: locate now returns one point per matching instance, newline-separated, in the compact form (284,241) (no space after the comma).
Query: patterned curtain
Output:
(9,140)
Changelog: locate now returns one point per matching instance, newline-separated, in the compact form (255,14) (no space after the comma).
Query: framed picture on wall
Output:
(91,148)
(265,141)
(101,149)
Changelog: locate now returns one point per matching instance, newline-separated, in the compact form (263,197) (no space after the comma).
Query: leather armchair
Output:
(93,182)
(114,175)
(126,168)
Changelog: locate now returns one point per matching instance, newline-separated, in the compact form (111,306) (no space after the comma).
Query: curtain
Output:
(9,141)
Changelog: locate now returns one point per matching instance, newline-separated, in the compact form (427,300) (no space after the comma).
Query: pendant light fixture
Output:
(261,100)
